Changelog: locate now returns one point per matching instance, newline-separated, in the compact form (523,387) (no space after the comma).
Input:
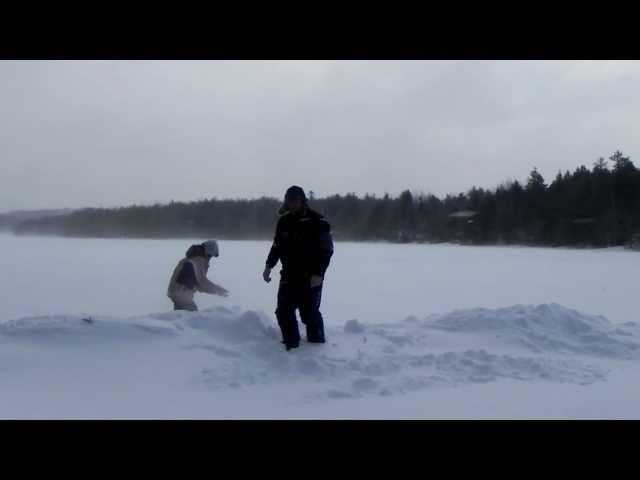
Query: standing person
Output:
(190,275)
(304,246)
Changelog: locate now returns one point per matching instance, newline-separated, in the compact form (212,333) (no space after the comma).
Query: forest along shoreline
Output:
(589,208)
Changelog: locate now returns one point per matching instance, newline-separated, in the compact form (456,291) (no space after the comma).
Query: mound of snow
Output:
(220,348)
(50,328)
(544,329)
(225,325)
(220,323)
(353,326)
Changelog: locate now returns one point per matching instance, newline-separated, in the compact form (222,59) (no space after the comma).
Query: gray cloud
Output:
(105,133)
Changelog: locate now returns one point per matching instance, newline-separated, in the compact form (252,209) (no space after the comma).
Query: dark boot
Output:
(291,346)
(315,336)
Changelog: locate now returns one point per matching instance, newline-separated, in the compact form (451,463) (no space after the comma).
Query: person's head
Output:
(210,248)
(295,199)
(206,249)
(195,251)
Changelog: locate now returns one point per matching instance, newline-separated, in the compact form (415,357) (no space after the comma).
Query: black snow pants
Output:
(299,295)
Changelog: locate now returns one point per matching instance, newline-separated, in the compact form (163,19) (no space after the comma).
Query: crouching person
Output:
(190,275)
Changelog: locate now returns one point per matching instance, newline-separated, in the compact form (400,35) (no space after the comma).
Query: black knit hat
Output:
(295,192)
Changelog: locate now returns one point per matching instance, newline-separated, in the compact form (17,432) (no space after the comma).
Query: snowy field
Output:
(414,331)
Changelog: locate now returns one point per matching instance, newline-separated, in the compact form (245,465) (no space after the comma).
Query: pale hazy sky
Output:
(110,133)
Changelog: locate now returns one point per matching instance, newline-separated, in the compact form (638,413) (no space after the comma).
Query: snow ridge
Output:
(241,349)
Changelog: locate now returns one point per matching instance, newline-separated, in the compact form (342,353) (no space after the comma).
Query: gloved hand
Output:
(266,275)
(316,281)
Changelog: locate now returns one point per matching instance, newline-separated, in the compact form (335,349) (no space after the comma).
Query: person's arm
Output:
(274,252)
(207,286)
(325,249)
(274,255)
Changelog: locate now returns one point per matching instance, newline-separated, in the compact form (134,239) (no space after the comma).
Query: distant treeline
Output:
(9,220)
(588,207)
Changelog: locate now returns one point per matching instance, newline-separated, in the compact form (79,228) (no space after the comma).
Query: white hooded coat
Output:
(180,293)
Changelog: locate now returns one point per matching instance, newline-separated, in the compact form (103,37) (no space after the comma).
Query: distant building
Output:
(583,220)
(462,215)
(463,226)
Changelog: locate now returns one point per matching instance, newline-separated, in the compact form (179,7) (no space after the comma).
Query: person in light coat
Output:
(190,275)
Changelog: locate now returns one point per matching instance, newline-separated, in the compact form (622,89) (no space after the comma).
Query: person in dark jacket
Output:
(303,245)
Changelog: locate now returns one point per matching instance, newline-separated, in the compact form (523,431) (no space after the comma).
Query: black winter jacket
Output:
(303,244)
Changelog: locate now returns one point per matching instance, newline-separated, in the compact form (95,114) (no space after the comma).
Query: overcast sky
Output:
(110,133)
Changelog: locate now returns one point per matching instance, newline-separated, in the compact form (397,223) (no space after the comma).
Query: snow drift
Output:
(223,349)
(545,329)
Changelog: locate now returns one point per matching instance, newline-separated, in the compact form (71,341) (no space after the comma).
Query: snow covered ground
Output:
(372,282)
(414,331)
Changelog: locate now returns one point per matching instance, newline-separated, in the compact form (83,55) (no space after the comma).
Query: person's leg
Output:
(286,315)
(185,305)
(311,316)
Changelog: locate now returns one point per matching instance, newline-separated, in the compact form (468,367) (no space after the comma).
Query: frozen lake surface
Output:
(371,282)
(414,331)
